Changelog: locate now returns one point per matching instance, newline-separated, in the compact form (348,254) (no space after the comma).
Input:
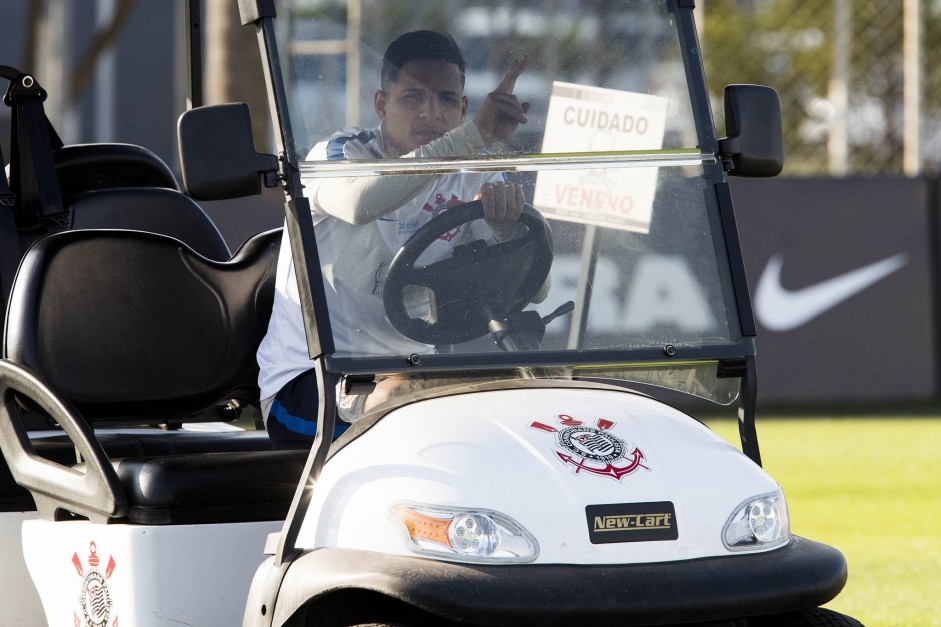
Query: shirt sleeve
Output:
(359,200)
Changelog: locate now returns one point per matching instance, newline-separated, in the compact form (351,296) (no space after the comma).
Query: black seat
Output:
(107,186)
(86,167)
(135,327)
(147,446)
(133,324)
(124,186)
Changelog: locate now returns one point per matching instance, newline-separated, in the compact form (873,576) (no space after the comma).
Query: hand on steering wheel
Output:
(477,281)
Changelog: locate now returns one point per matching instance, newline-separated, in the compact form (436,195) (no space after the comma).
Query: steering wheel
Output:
(473,286)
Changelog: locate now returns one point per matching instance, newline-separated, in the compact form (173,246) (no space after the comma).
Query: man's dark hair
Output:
(420,44)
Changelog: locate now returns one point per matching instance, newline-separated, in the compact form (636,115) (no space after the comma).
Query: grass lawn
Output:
(870,487)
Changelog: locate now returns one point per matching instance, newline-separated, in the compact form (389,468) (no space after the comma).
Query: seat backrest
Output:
(135,325)
(152,209)
(85,167)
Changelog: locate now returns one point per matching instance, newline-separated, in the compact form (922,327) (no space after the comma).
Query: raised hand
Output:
(501,111)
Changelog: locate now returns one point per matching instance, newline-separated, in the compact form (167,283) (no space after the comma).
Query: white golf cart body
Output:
(534,464)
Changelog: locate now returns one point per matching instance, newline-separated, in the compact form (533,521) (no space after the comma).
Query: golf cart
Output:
(536,465)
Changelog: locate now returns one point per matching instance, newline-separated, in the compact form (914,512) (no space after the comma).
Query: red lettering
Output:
(593,199)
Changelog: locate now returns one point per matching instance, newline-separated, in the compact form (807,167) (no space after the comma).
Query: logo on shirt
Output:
(437,209)
(407,227)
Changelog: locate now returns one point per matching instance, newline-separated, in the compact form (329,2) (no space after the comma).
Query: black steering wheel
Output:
(476,284)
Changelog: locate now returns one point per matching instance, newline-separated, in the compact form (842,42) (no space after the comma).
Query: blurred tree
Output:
(42,29)
(103,39)
(233,70)
(795,47)
(752,43)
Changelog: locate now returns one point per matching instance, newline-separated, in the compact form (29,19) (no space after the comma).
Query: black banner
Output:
(841,274)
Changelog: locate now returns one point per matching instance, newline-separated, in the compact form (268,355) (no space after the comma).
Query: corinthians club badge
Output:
(593,449)
(95,605)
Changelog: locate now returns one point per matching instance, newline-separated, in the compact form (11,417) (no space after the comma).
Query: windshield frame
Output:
(522,359)
(728,253)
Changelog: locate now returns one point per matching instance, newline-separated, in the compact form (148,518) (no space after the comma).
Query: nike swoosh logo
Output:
(780,309)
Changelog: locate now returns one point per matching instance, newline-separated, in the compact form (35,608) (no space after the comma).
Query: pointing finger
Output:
(508,84)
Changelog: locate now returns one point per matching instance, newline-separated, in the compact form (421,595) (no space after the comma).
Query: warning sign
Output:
(582,118)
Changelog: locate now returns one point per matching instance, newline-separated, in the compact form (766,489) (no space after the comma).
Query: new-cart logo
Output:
(632,522)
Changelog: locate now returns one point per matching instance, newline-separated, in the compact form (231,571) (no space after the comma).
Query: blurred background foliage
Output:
(851,75)
(856,78)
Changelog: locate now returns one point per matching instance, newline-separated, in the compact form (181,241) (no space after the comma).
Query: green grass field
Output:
(871,487)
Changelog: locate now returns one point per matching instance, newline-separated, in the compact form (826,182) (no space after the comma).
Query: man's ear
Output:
(463,108)
(379,101)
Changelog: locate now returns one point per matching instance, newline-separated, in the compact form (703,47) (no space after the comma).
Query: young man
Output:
(361,222)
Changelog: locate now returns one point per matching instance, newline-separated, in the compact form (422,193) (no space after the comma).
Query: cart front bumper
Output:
(801,574)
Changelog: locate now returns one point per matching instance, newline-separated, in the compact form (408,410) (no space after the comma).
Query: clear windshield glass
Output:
(606,151)
(577,51)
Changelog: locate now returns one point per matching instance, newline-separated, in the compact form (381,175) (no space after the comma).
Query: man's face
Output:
(424,103)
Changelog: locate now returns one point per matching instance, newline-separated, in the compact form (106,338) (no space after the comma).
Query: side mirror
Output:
(755,144)
(217,153)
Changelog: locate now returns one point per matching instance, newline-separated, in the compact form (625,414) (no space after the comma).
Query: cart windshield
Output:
(620,258)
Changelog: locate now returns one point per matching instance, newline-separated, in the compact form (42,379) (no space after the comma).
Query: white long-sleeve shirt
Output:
(360,223)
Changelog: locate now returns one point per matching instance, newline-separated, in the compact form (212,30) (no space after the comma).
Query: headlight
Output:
(463,534)
(759,523)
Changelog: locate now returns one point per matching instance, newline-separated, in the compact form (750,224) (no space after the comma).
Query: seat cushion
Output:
(147,443)
(211,487)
